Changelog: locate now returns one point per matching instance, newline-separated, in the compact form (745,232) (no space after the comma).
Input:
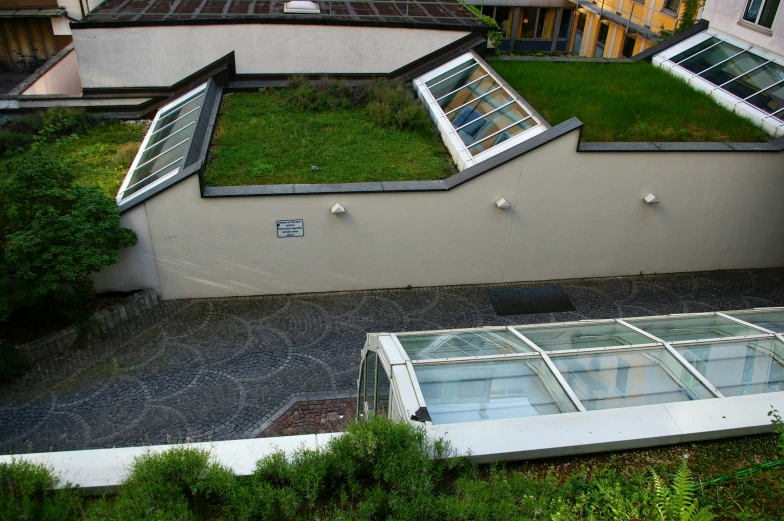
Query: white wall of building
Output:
(724,15)
(573,215)
(63,78)
(136,267)
(162,56)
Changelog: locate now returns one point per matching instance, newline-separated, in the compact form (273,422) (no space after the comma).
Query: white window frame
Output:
(755,24)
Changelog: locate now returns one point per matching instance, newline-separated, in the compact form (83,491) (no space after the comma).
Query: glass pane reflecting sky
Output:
(454,345)
(673,329)
(579,336)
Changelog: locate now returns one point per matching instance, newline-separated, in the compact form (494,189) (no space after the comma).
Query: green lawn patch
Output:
(100,156)
(383,470)
(259,139)
(625,102)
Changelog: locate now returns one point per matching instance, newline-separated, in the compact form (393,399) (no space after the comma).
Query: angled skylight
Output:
(738,75)
(475,113)
(165,147)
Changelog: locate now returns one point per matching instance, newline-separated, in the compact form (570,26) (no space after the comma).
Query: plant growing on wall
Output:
(53,234)
(495,34)
(689,13)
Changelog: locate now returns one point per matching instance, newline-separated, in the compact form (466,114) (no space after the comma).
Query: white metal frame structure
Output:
(745,79)
(475,112)
(507,392)
(166,145)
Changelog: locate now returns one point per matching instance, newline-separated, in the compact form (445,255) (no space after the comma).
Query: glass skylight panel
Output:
(583,335)
(629,378)
(490,390)
(771,320)
(710,57)
(710,42)
(674,329)
(461,344)
(739,368)
(166,144)
(756,80)
(770,100)
(473,109)
(732,68)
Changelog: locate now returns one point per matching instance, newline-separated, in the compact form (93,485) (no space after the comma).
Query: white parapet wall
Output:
(164,55)
(571,214)
(62,78)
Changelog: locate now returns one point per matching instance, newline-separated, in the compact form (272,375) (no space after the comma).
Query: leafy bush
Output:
(25,494)
(43,127)
(393,105)
(495,34)
(53,234)
(305,96)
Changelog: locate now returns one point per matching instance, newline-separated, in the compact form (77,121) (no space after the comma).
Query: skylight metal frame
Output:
(771,122)
(461,152)
(399,355)
(149,141)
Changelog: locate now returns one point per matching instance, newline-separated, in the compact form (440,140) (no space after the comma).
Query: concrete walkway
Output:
(219,369)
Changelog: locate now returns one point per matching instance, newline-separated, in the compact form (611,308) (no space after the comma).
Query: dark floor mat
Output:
(530,300)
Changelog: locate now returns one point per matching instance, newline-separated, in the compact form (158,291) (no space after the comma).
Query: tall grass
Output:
(625,102)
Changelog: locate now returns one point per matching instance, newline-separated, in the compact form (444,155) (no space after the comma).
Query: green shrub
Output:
(303,95)
(26,494)
(44,126)
(393,105)
(53,234)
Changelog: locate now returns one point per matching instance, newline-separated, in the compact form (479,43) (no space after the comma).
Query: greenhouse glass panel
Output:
(629,378)
(674,329)
(739,368)
(710,42)
(166,144)
(771,320)
(461,344)
(755,81)
(770,100)
(583,335)
(710,57)
(474,110)
(733,68)
(477,391)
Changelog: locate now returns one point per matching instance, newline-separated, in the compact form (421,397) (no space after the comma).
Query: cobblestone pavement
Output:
(216,369)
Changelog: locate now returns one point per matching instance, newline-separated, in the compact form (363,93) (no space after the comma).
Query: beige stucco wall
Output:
(724,15)
(573,215)
(161,56)
(136,266)
(63,78)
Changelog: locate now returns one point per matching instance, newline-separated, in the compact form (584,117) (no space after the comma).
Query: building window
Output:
(566,17)
(578,34)
(761,12)
(546,23)
(628,46)
(601,40)
(672,5)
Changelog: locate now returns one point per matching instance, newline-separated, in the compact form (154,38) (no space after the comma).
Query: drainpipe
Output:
(82,8)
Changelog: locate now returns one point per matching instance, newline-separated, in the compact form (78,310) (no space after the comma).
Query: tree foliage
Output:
(53,234)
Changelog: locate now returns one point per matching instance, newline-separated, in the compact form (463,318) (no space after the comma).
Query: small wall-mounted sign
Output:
(290,228)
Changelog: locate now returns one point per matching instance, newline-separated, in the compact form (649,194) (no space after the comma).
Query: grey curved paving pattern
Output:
(217,369)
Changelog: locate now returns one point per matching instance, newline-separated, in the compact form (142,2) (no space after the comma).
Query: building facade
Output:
(758,22)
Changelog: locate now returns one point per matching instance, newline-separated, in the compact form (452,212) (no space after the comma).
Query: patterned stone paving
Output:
(217,369)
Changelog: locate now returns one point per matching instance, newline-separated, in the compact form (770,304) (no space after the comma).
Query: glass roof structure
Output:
(496,373)
(741,77)
(165,147)
(477,115)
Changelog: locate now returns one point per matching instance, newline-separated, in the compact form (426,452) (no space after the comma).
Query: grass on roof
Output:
(98,157)
(259,140)
(625,102)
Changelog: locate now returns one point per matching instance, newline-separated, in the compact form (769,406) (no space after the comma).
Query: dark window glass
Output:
(672,5)
(527,26)
(503,17)
(770,100)
(566,17)
(546,23)
(755,81)
(761,12)
(628,46)
(694,50)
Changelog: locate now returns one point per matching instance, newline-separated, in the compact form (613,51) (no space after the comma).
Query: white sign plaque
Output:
(290,228)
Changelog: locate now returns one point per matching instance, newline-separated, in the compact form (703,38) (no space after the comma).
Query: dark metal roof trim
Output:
(675,39)
(33,13)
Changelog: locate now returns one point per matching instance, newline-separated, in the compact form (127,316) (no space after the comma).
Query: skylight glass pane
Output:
(500,137)
(580,336)
(709,58)
(478,108)
(694,50)
(770,100)
(770,320)
(482,127)
(733,68)
(167,142)
(673,329)
(739,368)
(477,391)
(453,345)
(469,65)
(755,81)
(468,94)
(629,378)
(457,80)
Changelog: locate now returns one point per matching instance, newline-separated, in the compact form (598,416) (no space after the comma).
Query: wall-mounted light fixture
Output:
(650,199)
(502,203)
(337,208)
